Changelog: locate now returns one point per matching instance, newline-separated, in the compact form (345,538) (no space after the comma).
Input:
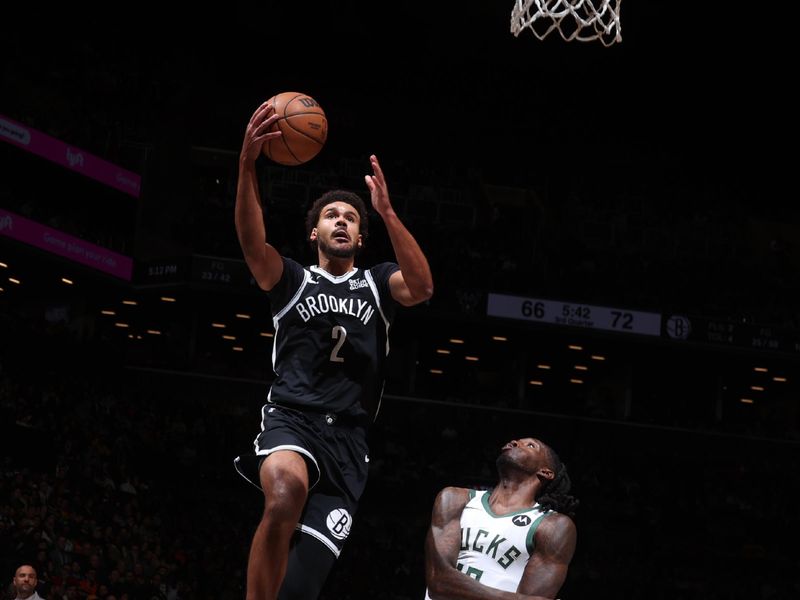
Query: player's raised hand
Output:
(379,193)
(257,132)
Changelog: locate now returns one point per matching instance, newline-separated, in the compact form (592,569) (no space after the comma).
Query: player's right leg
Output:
(284,479)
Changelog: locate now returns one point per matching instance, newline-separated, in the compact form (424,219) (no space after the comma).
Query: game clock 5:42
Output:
(573,314)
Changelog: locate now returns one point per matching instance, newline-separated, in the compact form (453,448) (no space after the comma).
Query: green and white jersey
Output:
(495,548)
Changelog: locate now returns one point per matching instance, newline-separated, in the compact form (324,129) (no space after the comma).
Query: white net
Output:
(582,20)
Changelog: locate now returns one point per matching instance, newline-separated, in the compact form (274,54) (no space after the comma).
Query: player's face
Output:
(337,231)
(528,453)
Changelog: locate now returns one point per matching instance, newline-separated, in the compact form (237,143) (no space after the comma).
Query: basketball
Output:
(304,126)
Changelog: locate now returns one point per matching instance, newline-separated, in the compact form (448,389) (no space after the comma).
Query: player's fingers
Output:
(376,167)
(262,112)
(255,113)
(263,127)
(263,137)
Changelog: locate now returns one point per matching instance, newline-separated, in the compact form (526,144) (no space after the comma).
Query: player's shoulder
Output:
(292,265)
(452,496)
(556,537)
(450,501)
(383,268)
(556,524)
(455,491)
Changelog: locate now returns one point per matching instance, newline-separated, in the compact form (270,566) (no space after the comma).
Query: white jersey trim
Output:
(285,309)
(239,471)
(278,316)
(321,537)
(375,293)
(374,289)
(267,451)
(334,278)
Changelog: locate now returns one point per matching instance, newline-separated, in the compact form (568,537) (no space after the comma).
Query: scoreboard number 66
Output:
(533,309)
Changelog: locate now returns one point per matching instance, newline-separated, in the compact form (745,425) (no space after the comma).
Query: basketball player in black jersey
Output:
(331,341)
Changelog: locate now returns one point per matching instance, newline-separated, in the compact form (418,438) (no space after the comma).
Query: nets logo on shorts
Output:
(339,521)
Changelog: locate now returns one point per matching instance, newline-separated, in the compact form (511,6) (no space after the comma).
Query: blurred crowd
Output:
(119,484)
(709,257)
(632,227)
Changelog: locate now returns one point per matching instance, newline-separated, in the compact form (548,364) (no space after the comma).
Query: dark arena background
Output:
(615,244)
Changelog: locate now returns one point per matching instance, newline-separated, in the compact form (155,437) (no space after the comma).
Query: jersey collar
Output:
(334,278)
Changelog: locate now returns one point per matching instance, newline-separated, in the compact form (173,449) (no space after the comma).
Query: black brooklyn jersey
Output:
(331,338)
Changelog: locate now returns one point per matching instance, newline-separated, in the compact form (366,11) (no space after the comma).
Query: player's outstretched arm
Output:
(263,260)
(413,283)
(444,580)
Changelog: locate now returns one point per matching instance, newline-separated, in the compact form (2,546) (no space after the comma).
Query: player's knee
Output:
(284,476)
(285,497)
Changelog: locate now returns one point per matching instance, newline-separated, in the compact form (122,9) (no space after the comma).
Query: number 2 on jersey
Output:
(338,333)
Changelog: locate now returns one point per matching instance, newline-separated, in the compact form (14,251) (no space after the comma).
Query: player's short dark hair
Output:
(354,200)
(555,492)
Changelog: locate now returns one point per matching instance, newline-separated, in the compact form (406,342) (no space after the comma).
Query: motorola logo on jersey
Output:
(521,520)
(339,521)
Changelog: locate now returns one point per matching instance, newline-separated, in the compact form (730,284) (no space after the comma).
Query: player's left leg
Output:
(310,562)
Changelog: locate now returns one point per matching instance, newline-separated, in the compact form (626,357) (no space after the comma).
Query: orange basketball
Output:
(304,127)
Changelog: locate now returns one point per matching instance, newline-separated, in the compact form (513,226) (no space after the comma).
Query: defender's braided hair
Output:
(554,494)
